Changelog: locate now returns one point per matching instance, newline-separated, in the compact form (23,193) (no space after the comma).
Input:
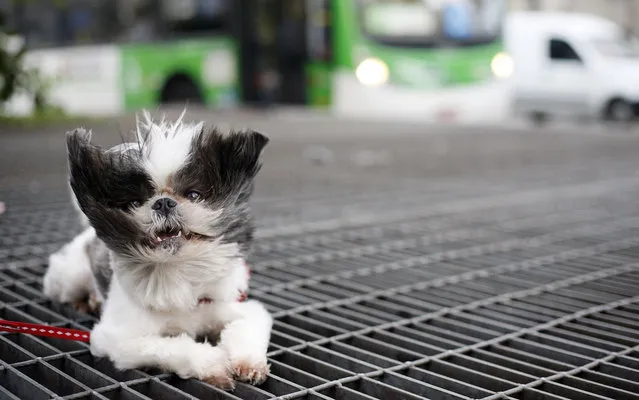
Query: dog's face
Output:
(174,192)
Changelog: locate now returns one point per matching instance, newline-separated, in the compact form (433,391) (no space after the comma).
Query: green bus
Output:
(112,56)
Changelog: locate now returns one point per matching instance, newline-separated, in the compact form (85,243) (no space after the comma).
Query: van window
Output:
(561,50)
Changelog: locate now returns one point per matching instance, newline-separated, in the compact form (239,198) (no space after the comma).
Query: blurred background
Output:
(447,207)
(462,60)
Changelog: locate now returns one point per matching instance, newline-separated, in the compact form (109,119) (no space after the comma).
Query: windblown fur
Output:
(169,225)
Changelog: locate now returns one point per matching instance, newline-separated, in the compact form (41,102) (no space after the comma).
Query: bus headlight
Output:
(372,72)
(502,65)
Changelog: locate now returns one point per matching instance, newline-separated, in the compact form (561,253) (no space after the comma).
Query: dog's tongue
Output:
(168,235)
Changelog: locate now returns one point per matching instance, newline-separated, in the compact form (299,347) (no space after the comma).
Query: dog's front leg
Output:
(181,355)
(245,338)
(133,337)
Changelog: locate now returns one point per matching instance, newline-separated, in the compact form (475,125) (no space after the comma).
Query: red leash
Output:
(65,333)
(71,334)
(45,330)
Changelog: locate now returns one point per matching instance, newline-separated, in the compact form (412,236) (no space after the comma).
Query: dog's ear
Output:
(85,164)
(104,184)
(236,153)
(223,163)
(241,151)
(78,144)
(111,178)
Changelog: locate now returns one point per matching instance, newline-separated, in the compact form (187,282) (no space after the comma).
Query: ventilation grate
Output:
(522,287)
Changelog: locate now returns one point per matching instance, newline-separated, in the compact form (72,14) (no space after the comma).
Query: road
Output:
(399,261)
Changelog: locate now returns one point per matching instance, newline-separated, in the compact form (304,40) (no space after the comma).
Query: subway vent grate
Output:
(520,287)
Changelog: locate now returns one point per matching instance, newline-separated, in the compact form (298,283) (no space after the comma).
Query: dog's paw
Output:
(211,366)
(95,305)
(250,370)
(220,376)
(81,306)
(90,305)
(221,381)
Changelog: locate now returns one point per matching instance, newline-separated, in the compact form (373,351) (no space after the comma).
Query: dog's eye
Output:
(192,195)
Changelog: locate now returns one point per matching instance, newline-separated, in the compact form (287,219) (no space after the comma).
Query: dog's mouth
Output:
(173,235)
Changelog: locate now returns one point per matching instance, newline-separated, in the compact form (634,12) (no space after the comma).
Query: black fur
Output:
(105,184)
(222,168)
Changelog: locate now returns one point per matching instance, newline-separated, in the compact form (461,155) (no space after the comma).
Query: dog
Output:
(162,258)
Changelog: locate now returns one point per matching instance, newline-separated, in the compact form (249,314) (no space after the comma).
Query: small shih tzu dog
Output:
(164,255)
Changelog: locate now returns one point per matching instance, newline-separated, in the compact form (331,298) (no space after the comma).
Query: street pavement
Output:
(381,246)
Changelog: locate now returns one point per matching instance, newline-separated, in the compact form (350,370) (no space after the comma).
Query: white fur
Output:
(176,283)
(68,278)
(152,312)
(134,336)
(167,144)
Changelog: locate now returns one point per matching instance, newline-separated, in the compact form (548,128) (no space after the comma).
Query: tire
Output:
(619,110)
(538,118)
(181,89)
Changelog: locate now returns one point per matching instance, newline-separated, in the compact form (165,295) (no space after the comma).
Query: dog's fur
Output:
(152,268)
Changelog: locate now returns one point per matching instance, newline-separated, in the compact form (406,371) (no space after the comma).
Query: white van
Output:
(568,64)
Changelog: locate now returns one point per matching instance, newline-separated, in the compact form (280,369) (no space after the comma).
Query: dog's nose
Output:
(164,205)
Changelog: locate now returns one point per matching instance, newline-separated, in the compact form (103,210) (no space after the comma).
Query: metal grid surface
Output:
(517,286)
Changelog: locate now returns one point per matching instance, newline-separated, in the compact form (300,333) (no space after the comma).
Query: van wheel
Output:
(538,118)
(180,89)
(619,110)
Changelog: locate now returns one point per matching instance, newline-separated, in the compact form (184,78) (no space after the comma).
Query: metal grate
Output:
(519,284)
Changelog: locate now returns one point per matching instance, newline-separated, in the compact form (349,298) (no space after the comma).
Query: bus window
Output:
(431,23)
(196,16)
(40,24)
(45,23)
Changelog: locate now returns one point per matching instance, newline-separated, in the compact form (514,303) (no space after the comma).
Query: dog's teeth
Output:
(158,239)
(179,234)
